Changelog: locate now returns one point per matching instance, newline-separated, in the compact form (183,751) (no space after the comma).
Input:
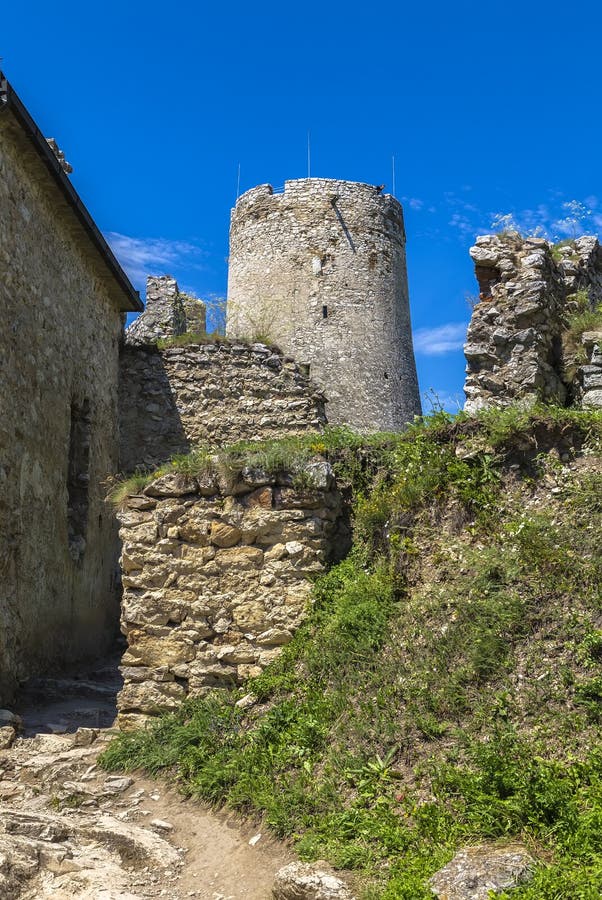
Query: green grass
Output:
(357,457)
(555,249)
(583,318)
(446,687)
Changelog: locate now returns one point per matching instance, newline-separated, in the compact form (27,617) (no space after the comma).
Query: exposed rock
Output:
(115,784)
(85,736)
(515,347)
(593,399)
(305,881)
(161,825)
(476,871)
(7,736)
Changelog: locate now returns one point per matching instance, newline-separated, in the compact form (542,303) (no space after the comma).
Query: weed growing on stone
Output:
(585,318)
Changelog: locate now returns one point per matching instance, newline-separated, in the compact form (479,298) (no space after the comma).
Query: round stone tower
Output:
(320,270)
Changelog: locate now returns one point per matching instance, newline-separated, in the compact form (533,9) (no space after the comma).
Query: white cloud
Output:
(441,339)
(414,202)
(462,224)
(560,219)
(153,256)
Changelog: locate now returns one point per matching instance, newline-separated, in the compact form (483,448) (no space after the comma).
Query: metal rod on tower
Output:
(393,167)
(308,155)
(238,183)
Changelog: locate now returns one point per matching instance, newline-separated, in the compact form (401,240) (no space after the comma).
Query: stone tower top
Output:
(319,268)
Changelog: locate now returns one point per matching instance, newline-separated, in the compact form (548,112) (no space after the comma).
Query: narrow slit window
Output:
(78,478)
(324,312)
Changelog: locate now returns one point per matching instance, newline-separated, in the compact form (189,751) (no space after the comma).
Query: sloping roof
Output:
(9,101)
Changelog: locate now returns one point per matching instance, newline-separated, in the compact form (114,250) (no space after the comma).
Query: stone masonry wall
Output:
(320,269)
(515,348)
(59,346)
(175,398)
(215,578)
(168,313)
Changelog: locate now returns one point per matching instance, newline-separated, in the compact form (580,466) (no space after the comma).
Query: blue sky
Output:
(489,109)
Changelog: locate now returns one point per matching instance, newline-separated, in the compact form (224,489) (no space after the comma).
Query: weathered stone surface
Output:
(216,599)
(168,313)
(174,484)
(593,399)
(173,399)
(475,872)
(7,736)
(59,344)
(224,535)
(305,881)
(516,348)
(321,269)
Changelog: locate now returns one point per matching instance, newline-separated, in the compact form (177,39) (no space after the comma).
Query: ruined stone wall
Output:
(215,578)
(219,393)
(168,313)
(589,375)
(516,345)
(58,387)
(320,269)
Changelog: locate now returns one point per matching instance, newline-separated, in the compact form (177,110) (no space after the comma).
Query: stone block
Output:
(224,535)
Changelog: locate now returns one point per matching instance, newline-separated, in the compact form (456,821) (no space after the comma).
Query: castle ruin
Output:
(524,343)
(320,270)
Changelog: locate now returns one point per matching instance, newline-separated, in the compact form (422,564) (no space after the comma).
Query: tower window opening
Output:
(78,478)
(386,374)
(324,312)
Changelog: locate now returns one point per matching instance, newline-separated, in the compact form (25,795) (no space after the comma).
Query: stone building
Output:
(320,270)
(63,297)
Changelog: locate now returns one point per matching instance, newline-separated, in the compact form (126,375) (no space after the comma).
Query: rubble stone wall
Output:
(175,398)
(515,347)
(168,313)
(215,578)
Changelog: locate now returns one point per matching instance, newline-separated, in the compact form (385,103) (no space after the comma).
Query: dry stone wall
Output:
(320,268)
(219,393)
(215,578)
(515,346)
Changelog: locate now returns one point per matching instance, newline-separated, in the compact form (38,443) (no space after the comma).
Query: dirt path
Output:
(69,830)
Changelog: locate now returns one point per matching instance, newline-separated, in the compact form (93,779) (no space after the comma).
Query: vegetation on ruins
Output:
(582,318)
(446,687)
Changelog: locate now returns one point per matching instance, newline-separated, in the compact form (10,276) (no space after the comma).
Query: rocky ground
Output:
(67,829)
